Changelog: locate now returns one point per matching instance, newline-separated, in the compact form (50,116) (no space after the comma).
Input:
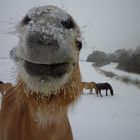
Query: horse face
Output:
(48,50)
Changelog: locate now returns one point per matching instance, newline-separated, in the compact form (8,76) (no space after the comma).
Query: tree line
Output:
(128,60)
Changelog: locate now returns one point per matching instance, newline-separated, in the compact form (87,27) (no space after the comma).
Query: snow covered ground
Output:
(109,118)
(112,67)
(94,118)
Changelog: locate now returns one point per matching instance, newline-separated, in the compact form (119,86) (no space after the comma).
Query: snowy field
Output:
(94,118)
(109,118)
(112,67)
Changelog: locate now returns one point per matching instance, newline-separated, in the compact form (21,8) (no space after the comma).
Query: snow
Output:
(109,118)
(52,11)
(112,67)
(98,118)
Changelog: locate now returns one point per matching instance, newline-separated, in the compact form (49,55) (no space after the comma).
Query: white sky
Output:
(110,24)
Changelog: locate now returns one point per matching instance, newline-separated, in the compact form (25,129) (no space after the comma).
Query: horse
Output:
(4,87)
(48,77)
(89,85)
(104,86)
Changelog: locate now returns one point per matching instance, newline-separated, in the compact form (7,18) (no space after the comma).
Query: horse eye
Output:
(79,45)
(25,20)
(68,24)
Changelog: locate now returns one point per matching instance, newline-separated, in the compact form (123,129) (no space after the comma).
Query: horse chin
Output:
(46,86)
(48,82)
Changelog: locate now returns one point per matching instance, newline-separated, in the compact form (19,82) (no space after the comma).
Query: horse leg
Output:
(106,92)
(97,92)
(90,91)
(100,93)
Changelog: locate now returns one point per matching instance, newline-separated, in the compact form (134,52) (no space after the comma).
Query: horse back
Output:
(89,85)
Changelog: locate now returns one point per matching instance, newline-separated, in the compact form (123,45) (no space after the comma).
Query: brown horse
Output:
(89,85)
(4,87)
(104,86)
(48,78)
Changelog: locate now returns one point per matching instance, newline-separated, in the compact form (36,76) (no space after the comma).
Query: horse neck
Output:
(111,89)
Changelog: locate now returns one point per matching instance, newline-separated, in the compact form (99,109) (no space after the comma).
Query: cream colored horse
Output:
(90,86)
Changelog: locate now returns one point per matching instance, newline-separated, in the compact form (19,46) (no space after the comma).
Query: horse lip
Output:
(45,70)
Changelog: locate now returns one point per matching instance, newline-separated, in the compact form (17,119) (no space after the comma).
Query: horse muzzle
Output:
(45,71)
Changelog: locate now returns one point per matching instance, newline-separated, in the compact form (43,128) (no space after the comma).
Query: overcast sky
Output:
(106,25)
